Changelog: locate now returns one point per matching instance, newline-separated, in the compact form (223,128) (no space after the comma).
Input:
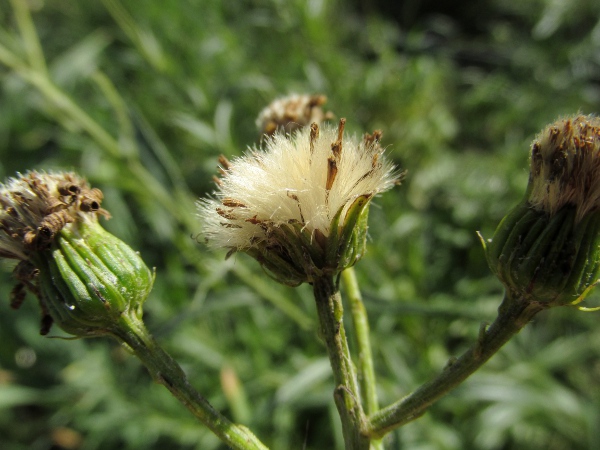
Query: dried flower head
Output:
(84,278)
(565,166)
(546,249)
(37,205)
(292,113)
(299,206)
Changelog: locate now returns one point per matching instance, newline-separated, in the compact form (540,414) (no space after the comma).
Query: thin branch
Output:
(165,370)
(366,370)
(513,315)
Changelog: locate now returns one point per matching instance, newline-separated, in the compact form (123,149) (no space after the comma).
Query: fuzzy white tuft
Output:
(301,178)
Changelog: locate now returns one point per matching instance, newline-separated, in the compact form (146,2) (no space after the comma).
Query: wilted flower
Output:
(299,206)
(37,206)
(547,248)
(84,277)
(292,113)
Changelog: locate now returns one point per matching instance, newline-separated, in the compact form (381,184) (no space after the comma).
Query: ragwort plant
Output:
(298,204)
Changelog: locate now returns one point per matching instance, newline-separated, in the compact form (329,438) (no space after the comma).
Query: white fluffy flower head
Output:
(297,200)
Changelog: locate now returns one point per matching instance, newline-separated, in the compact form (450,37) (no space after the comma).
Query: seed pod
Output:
(547,249)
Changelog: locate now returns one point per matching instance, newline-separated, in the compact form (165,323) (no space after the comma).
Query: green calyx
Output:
(293,254)
(89,279)
(551,259)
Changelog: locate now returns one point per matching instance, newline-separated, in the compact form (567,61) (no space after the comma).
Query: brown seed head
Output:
(291,113)
(565,166)
(36,206)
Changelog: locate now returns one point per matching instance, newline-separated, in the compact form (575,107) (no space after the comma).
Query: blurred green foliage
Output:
(458,91)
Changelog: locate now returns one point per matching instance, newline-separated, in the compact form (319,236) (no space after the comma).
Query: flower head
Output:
(299,206)
(565,166)
(547,248)
(292,113)
(84,277)
(36,206)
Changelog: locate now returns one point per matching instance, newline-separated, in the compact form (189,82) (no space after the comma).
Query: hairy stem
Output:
(346,394)
(513,315)
(366,370)
(165,370)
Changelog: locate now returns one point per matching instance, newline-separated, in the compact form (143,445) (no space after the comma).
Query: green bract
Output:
(546,258)
(89,279)
(294,256)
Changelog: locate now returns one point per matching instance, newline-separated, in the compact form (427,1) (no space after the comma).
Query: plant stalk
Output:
(165,370)
(366,370)
(513,315)
(346,394)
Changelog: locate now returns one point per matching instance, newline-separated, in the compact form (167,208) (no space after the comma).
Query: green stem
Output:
(346,394)
(513,315)
(31,42)
(164,370)
(366,370)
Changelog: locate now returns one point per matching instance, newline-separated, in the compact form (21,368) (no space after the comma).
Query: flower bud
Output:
(547,249)
(84,277)
(300,206)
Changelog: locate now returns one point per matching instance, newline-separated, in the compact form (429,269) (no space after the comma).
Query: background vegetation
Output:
(459,90)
